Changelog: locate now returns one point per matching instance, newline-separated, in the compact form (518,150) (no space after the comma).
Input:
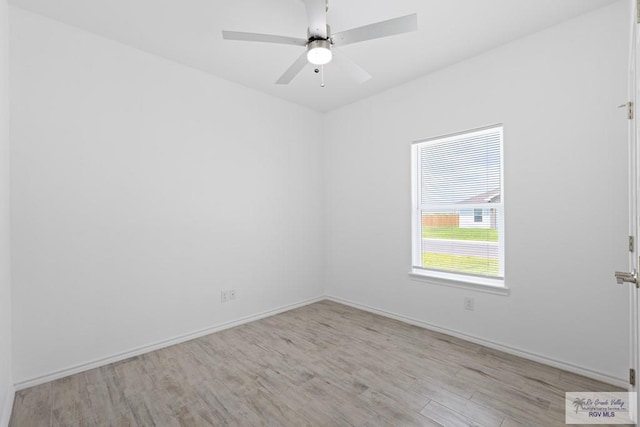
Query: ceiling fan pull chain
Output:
(322,76)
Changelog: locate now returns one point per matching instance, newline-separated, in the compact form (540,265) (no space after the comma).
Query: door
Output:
(631,277)
(634,180)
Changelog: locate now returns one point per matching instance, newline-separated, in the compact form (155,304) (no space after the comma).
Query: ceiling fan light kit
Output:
(320,43)
(319,52)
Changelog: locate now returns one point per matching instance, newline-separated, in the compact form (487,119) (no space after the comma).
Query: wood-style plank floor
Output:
(324,364)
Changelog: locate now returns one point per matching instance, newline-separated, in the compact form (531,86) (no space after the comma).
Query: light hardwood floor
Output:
(325,364)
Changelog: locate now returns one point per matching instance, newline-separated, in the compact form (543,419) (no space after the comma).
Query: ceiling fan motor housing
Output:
(312,37)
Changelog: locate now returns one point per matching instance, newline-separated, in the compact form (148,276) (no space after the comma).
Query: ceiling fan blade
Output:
(354,71)
(317,18)
(293,70)
(404,24)
(266,38)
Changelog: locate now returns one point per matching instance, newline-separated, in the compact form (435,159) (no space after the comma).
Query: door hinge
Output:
(632,376)
(629,106)
(632,245)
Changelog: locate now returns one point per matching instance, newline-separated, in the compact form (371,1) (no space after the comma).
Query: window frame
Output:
(455,279)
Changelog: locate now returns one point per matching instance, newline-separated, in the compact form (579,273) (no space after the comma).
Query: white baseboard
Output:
(21,385)
(5,416)
(618,382)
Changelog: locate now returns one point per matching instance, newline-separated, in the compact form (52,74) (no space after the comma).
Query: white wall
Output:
(6,382)
(141,189)
(565,164)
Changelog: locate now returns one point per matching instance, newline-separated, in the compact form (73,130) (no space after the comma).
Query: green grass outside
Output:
(464,264)
(455,233)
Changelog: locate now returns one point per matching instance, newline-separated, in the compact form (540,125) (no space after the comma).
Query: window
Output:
(477,215)
(458,213)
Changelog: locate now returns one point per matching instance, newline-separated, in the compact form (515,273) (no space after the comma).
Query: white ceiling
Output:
(189,32)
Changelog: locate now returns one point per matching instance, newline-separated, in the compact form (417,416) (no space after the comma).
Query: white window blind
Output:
(458,215)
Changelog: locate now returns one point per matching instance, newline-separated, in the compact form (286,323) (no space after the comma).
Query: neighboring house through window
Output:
(458,211)
(477,215)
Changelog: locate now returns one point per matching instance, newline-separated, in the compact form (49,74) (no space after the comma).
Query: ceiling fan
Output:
(320,42)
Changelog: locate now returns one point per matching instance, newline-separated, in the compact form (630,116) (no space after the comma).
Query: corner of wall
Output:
(324,189)
(7,389)
(5,416)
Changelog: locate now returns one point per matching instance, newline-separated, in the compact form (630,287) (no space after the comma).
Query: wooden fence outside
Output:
(441,220)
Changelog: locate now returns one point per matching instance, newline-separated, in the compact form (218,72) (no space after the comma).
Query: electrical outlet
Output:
(468,304)
(224,296)
(232,294)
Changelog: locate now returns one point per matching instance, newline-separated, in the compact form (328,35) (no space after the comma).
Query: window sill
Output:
(479,284)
